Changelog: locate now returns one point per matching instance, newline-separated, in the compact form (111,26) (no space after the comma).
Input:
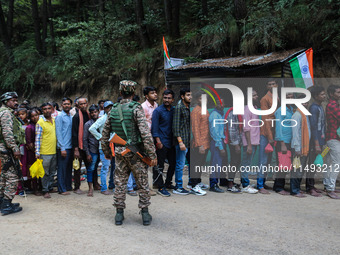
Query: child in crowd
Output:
(33,116)
(22,114)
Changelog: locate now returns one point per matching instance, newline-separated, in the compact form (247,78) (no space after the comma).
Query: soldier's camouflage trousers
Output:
(124,166)
(9,178)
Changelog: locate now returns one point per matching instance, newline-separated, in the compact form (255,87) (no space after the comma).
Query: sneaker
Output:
(163,192)
(22,193)
(189,186)
(198,191)
(233,189)
(180,191)
(249,189)
(216,189)
(203,186)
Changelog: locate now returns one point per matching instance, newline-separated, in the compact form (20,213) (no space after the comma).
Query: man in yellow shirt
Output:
(46,147)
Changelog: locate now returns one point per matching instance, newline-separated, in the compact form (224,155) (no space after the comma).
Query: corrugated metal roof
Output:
(233,62)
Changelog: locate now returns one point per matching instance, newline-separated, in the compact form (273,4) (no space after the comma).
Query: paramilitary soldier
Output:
(127,119)
(11,135)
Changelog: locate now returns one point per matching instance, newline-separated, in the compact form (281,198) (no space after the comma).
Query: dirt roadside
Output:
(216,223)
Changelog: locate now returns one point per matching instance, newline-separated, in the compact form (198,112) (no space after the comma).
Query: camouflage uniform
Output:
(126,164)
(9,175)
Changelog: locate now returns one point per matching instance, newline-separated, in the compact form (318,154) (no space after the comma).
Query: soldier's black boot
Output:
(119,216)
(2,199)
(147,218)
(8,208)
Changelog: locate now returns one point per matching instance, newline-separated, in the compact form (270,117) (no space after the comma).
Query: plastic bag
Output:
(37,169)
(268,148)
(285,161)
(318,160)
(76,165)
(296,163)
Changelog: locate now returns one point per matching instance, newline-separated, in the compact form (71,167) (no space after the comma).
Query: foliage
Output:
(93,42)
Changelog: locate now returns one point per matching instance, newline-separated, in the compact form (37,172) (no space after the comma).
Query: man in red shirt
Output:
(333,140)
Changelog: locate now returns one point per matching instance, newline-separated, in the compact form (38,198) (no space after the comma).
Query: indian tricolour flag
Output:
(168,61)
(302,69)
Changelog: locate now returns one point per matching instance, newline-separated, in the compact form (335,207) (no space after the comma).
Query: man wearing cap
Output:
(11,136)
(96,130)
(127,119)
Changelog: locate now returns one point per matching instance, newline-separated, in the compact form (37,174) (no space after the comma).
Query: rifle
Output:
(14,162)
(129,148)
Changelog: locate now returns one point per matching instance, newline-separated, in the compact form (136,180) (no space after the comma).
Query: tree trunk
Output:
(168,16)
(175,23)
(140,22)
(10,19)
(44,28)
(240,9)
(101,6)
(36,23)
(3,30)
(78,9)
(50,15)
(205,8)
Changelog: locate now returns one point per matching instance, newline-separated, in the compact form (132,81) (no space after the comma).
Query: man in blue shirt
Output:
(161,130)
(218,150)
(63,123)
(283,137)
(318,135)
(96,130)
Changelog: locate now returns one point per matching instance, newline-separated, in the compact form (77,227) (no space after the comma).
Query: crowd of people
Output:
(81,132)
(303,137)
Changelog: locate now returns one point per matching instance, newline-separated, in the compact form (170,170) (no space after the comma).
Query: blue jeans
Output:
(130,182)
(104,170)
(92,167)
(246,162)
(64,173)
(180,162)
(216,160)
(112,171)
(263,161)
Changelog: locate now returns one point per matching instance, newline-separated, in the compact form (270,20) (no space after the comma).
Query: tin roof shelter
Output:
(275,64)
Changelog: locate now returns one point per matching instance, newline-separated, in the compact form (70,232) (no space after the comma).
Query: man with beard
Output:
(250,141)
(161,130)
(46,147)
(63,124)
(11,136)
(181,131)
(79,119)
